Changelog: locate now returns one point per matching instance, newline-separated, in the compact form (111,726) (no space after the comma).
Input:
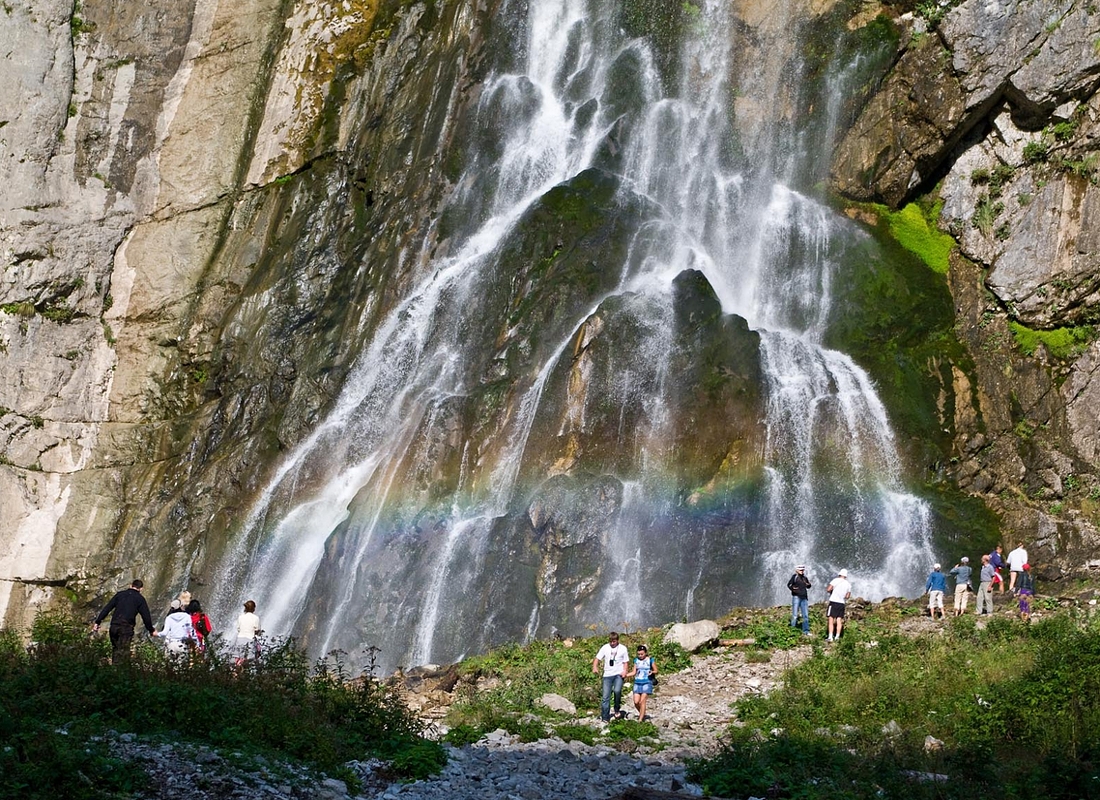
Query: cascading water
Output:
(337,549)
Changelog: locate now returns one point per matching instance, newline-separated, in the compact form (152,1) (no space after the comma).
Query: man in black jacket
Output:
(126,606)
(800,600)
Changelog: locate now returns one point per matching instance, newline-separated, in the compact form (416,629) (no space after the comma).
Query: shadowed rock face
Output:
(1009,128)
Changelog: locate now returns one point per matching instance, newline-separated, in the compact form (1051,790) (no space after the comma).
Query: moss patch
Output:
(915,229)
(1061,342)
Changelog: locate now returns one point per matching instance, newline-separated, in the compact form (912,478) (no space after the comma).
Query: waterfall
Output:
(334,546)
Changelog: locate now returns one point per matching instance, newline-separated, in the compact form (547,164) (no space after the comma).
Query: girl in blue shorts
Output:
(642,671)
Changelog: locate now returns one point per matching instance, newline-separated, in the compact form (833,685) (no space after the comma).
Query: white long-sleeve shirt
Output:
(177,627)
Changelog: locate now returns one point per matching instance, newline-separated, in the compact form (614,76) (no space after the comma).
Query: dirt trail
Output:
(693,708)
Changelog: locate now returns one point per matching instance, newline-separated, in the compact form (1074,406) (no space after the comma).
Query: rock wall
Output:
(171,173)
(991,109)
(208,206)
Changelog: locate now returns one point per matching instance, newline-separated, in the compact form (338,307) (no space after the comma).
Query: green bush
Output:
(574,732)
(1024,697)
(620,729)
(59,695)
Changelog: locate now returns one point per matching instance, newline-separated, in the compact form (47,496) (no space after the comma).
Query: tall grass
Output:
(58,697)
(1016,708)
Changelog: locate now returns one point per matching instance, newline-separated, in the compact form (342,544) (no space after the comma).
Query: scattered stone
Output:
(931,743)
(693,635)
(891,728)
(555,702)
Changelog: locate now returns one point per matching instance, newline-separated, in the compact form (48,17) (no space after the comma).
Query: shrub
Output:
(1026,697)
(280,705)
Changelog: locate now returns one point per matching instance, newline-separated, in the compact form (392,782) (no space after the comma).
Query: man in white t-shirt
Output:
(1016,560)
(839,590)
(611,660)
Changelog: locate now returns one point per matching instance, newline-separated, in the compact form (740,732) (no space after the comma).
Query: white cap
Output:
(844,573)
(936,565)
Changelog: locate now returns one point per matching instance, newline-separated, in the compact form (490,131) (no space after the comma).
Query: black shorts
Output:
(836,610)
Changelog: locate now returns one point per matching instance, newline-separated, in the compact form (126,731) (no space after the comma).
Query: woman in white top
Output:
(248,629)
(178,631)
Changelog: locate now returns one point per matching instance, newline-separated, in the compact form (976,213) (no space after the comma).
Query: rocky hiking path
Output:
(691,709)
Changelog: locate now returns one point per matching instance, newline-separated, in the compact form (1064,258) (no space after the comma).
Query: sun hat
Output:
(844,573)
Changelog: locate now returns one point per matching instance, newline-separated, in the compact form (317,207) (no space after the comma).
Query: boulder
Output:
(555,702)
(693,635)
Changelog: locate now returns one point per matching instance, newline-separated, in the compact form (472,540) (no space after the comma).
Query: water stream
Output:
(335,549)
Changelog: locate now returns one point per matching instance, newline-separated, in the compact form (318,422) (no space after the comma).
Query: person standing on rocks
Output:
(936,586)
(1025,592)
(839,590)
(1016,560)
(985,595)
(962,572)
(642,671)
(125,607)
(612,659)
(996,558)
(799,585)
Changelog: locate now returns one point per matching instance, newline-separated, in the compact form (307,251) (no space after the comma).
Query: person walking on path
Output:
(936,586)
(996,558)
(611,660)
(125,607)
(799,585)
(962,572)
(1016,560)
(984,603)
(178,631)
(1025,591)
(200,622)
(248,632)
(642,671)
(839,590)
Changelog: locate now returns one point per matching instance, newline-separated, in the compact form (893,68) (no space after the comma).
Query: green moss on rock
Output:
(916,231)
(1061,342)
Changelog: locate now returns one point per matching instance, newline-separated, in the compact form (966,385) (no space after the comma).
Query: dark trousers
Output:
(121,637)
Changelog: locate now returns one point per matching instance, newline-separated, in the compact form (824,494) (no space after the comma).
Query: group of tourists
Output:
(839,591)
(185,630)
(990,581)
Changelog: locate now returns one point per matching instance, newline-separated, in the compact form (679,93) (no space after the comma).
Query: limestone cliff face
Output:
(170,173)
(994,109)
(209,208)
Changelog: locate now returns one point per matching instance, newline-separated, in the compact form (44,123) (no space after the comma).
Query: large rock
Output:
(693,635)
(555,702)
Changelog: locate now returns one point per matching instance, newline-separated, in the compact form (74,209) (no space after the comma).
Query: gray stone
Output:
(693,635)
(555,702)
